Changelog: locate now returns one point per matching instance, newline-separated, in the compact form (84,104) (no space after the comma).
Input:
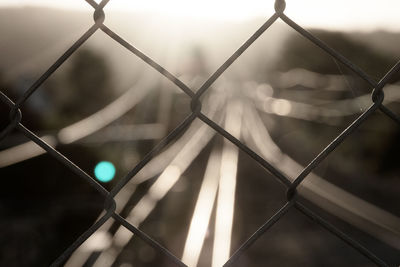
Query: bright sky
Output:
(338,14)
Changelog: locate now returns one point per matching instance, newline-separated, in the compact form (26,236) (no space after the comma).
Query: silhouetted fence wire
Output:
(293,199)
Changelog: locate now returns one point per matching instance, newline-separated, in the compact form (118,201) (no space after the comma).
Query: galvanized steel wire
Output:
(293,199)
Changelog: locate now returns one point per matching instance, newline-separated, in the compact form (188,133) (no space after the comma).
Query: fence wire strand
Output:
(293,200)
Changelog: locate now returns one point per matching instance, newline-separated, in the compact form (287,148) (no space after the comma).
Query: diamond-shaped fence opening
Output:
(230,119)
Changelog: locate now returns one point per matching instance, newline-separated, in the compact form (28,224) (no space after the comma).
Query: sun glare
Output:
(340,14)
(207,9)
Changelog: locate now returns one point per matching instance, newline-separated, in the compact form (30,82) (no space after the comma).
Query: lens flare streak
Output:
(202,211)
(227,187)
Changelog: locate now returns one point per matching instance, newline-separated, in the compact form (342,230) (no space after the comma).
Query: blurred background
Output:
(200,197)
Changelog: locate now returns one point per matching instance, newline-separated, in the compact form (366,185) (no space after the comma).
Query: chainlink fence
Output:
(294,201)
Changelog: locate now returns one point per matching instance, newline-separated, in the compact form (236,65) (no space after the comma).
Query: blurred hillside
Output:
(48,32)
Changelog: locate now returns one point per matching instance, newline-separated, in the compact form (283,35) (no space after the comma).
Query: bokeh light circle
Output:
(104,171)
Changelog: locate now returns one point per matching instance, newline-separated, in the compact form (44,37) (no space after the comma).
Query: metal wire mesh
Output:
(293,199)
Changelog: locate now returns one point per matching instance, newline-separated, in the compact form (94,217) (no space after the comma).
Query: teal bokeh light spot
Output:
(104,171)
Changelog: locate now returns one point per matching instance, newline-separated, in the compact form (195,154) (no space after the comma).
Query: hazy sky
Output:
(338,14)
